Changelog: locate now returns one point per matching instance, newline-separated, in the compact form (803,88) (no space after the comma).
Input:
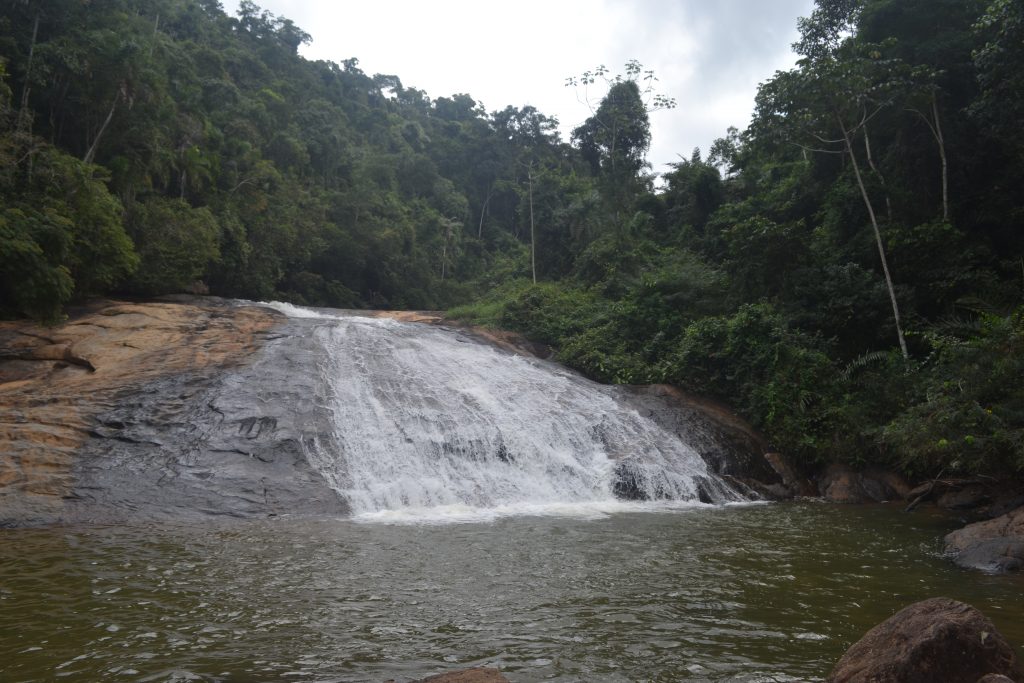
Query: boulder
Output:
(478,674)
(995,545)
(842,484)
(796,483)
(839,484)
(966,498)
(884,485)
(1007,502)
(934,640)
(996,555)
(981,497)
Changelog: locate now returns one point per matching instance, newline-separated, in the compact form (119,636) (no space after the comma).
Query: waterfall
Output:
(427,420)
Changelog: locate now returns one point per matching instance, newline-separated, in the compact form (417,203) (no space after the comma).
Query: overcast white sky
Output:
(708,54)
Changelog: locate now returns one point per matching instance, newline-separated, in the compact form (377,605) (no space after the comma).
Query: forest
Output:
(847,272)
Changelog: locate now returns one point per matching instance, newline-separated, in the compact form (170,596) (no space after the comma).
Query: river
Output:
(705,593)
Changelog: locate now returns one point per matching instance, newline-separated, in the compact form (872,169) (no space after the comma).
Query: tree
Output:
(998,62)
(176,245)
(615,138)
(836,90)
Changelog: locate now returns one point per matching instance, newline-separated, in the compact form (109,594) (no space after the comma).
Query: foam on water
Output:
(430,425)
(466,514)
(293,311)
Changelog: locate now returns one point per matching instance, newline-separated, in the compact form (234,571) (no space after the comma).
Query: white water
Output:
(430,424)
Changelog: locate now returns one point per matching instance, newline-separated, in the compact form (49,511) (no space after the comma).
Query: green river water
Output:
(745,593)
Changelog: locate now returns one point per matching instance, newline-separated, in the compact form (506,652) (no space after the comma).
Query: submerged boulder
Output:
(480,674)
(934,640)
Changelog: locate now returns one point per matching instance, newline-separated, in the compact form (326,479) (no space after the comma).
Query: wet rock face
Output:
(995,546)
(933,640)
(177,411)
(729,445)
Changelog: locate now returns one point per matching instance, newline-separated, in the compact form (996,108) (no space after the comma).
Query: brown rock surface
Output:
(791,479)
(934,640)
(842,484)
(995,545)
(54,381)
(968,497)
(474,675)
(160,411)
(839,485)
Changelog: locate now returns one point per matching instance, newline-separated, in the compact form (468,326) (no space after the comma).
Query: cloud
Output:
(709,56)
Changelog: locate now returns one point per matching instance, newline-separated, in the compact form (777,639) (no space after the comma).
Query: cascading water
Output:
(429,421)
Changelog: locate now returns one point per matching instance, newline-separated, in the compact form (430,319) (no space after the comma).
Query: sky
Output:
(710,55)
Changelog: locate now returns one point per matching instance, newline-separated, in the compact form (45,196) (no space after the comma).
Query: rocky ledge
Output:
(147,411)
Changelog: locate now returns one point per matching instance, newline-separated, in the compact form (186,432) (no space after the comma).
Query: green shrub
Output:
(969,416)
(781,379)
(176,244)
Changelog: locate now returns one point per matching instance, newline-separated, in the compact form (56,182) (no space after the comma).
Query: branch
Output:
(815,149)
(827,142)
(925,119)
(865,118)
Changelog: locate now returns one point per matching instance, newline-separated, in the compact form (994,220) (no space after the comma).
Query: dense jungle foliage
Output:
(847,272)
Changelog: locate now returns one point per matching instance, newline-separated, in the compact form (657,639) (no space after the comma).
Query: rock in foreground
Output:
(934,640)
(475,675)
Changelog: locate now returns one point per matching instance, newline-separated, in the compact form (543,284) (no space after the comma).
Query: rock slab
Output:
(160,410)
(934,640)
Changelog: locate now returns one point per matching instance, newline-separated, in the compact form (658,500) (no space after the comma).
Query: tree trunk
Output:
(533,251)
(936,129)
(942,154)
(23,115)
(878,236)
(483,211)
(91,154)
(156,28)
(881,178)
